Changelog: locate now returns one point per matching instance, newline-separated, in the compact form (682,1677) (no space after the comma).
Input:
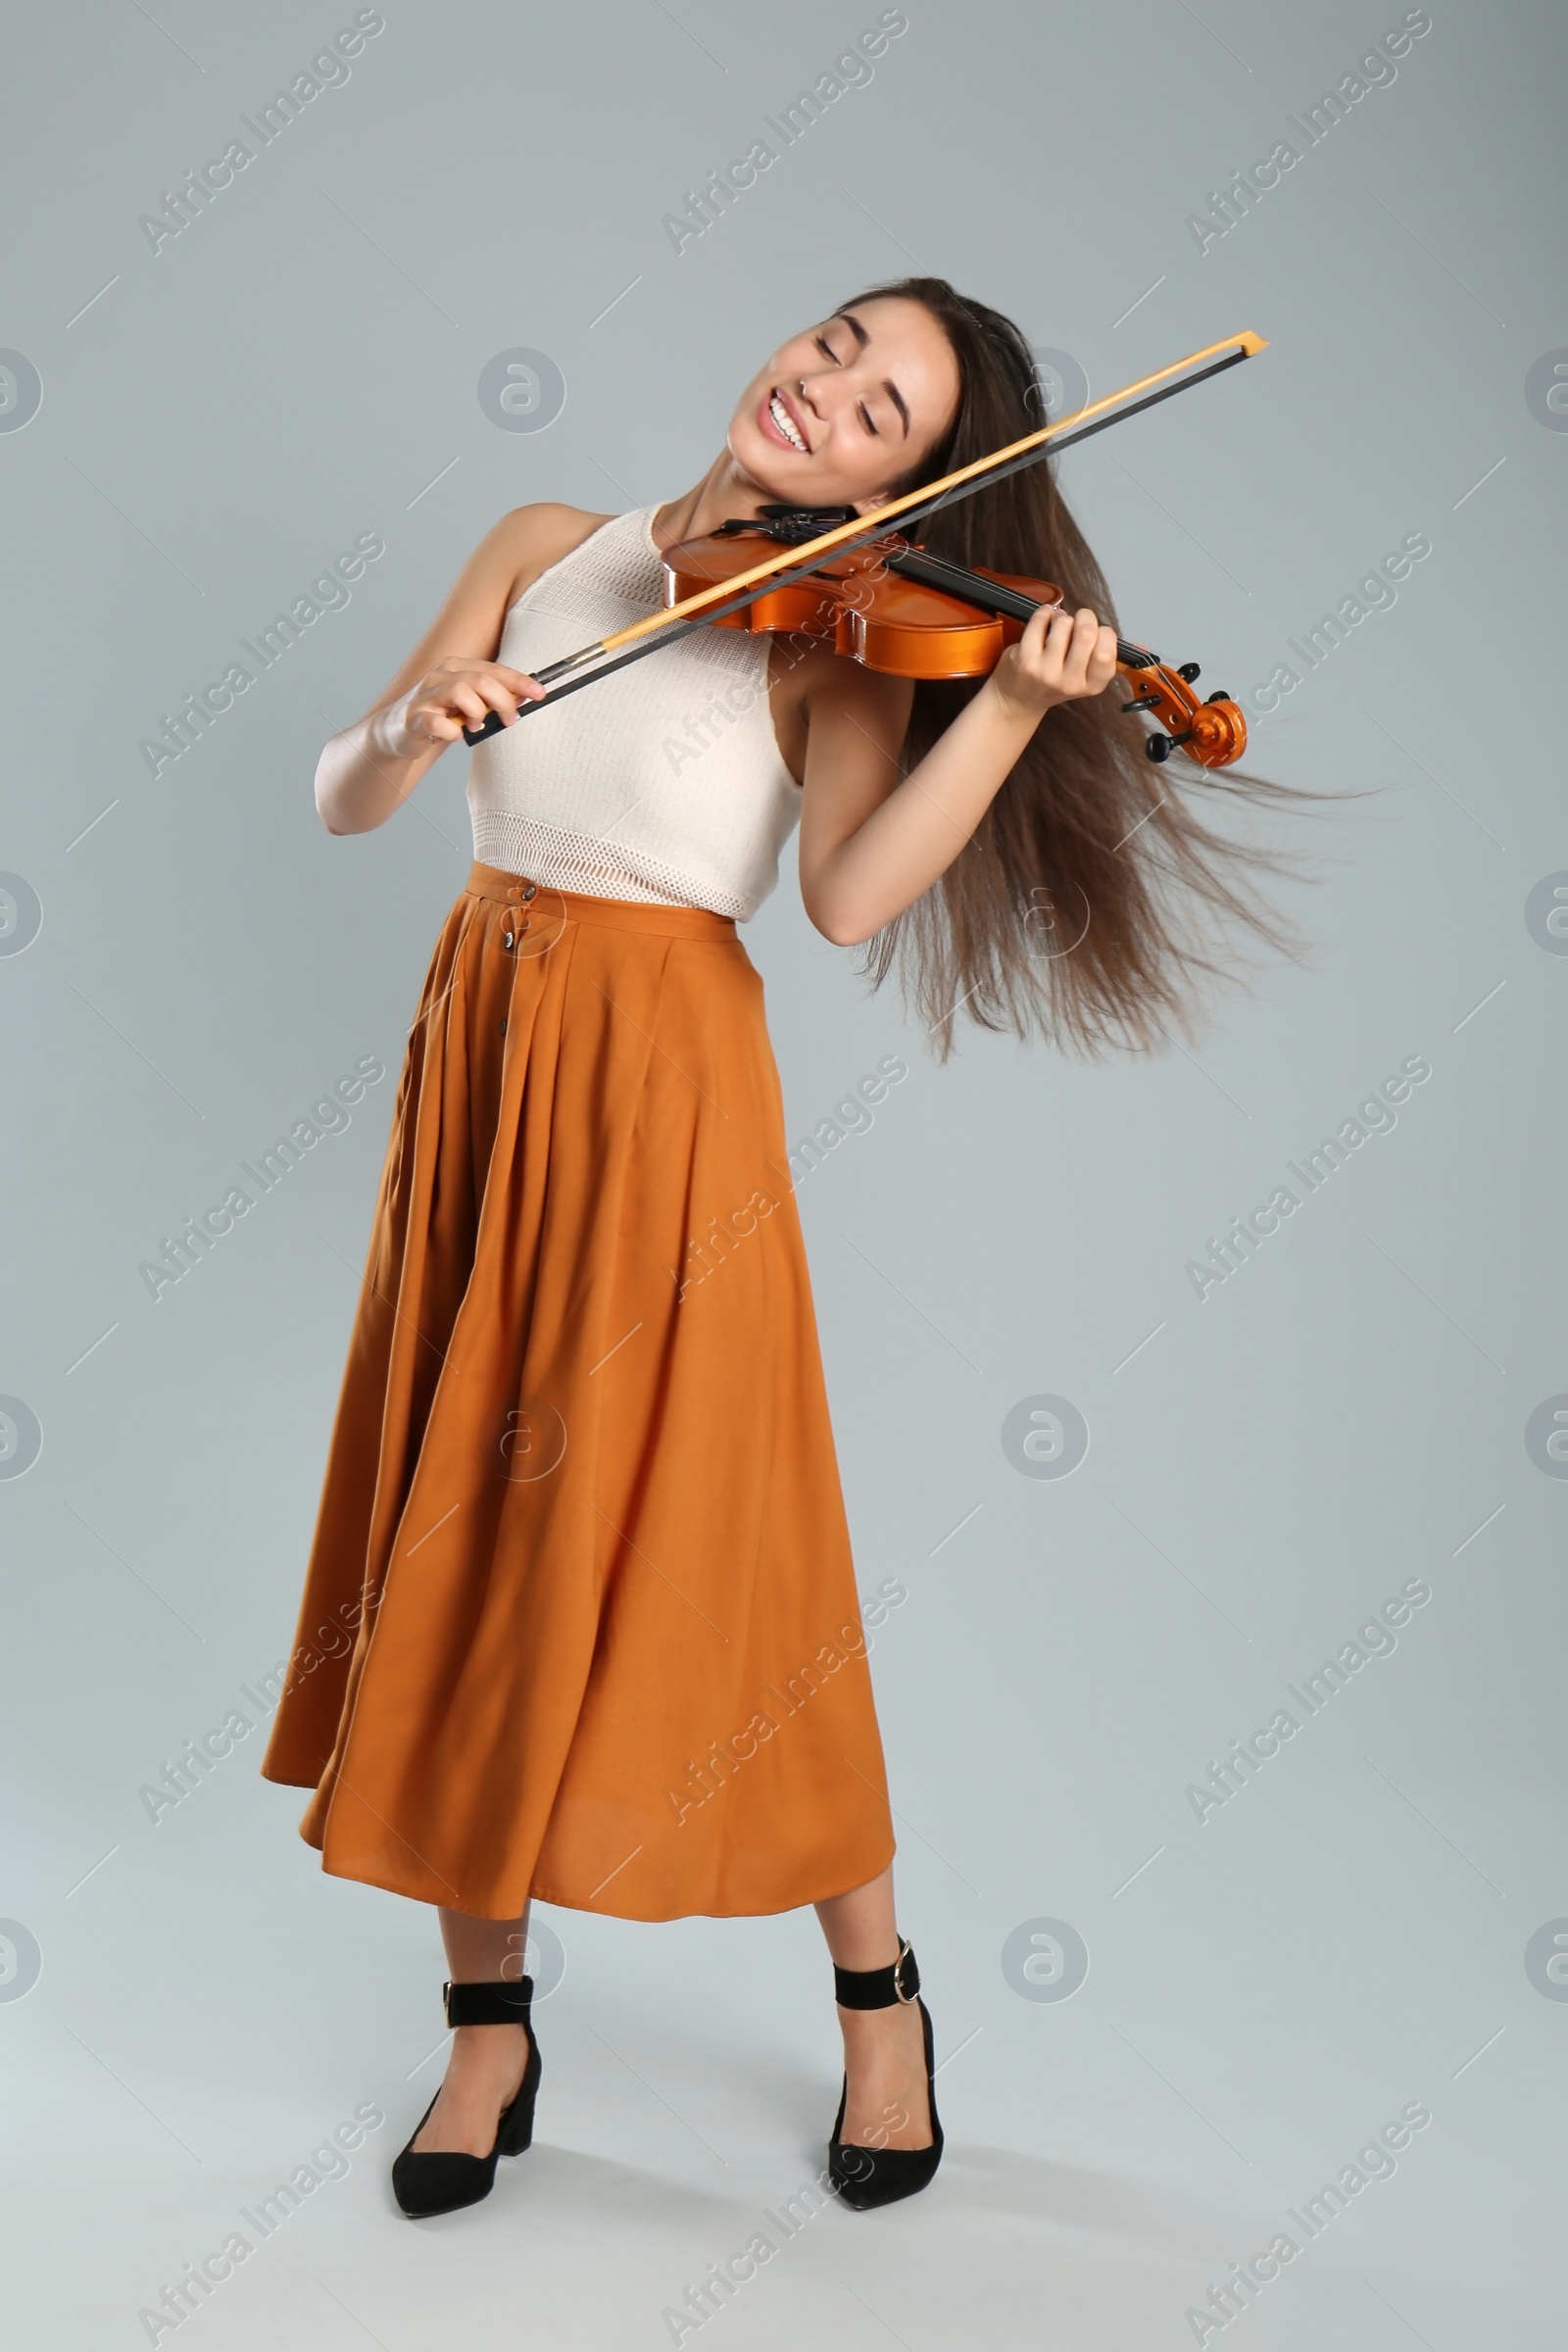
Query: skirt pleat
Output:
(581,1618)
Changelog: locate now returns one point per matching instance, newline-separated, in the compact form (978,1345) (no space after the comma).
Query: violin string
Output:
(973,587)
(787,578)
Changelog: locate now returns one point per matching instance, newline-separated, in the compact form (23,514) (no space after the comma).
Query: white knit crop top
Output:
(664,782)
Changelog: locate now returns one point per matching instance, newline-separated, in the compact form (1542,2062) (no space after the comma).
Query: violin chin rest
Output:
(795,525)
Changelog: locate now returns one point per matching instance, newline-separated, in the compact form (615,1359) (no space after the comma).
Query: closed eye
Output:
(827,348)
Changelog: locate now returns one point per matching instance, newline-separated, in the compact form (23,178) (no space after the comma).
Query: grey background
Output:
(1264,1989)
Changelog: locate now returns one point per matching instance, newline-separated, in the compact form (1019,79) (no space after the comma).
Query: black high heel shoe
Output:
(867,2177)
(441,2179)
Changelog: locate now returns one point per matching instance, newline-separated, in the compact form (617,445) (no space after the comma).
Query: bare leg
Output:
(884,2049)
(485,2067)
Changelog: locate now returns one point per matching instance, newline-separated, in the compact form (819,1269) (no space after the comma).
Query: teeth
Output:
(785,422)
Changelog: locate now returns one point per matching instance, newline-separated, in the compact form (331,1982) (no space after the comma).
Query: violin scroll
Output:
(1212,733)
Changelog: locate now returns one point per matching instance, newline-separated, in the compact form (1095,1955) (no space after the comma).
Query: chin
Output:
(776,480)
(759,462)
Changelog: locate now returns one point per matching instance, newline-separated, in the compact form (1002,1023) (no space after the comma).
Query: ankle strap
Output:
(503,2001)
(878,1987)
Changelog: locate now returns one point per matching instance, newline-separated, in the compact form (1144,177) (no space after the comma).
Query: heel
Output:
(514,2132)
(863,2176)
(443,2179)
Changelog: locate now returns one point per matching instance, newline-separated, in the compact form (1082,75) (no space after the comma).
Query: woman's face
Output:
(842,412)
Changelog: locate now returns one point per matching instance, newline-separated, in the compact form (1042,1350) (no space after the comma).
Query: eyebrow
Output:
(861,339)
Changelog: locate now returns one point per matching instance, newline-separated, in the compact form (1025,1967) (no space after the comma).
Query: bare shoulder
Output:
(508,559)
(530,539)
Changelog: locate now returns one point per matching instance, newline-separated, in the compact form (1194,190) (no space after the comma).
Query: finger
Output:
(460,705)
(1030,651)
(501,688)
(1054,651)
(434,726)
(1103,661)
(493,693)
(1085,638)
(1031,644)
(1091,635)
(1077,653)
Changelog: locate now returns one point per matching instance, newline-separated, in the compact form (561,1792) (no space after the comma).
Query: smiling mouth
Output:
(784,423)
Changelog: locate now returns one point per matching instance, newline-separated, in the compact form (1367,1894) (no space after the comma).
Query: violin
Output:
(893,607)
(1211,733)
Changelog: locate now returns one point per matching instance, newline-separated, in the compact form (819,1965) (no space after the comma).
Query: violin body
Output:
(871,612)
(860,607)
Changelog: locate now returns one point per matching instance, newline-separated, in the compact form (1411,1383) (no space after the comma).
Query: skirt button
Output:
(530,891)
(506,940)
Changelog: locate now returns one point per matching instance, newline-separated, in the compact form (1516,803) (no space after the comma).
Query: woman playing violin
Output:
(581,1508)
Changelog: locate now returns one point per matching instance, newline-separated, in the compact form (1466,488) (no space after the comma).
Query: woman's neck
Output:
(724,492)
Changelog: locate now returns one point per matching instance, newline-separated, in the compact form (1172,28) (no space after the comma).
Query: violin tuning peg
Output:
(1189,670)
(1157,746)
(1222,696)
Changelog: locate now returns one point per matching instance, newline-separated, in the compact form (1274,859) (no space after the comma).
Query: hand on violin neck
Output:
(1062,657)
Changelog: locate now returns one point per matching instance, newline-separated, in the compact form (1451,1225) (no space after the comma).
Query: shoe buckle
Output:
(904,1953)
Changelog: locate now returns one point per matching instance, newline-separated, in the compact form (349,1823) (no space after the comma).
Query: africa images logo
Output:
(1375,1115)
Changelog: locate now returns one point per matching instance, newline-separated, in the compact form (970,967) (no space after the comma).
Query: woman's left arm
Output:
(871,845)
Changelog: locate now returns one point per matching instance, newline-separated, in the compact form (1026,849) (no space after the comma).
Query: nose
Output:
(806,392)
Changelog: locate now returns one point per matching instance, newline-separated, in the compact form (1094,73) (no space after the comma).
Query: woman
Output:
(582,1508)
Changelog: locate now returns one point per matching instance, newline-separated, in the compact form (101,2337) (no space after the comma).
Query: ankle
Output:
(486,2046)
(863,1953)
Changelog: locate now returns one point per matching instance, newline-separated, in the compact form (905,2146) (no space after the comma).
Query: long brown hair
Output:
(1087,835)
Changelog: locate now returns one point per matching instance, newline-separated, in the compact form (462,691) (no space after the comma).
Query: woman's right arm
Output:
(452,679)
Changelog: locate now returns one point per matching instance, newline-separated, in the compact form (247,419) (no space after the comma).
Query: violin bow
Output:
(793,564)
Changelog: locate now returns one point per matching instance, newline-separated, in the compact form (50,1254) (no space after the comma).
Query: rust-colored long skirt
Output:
(581,1619)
